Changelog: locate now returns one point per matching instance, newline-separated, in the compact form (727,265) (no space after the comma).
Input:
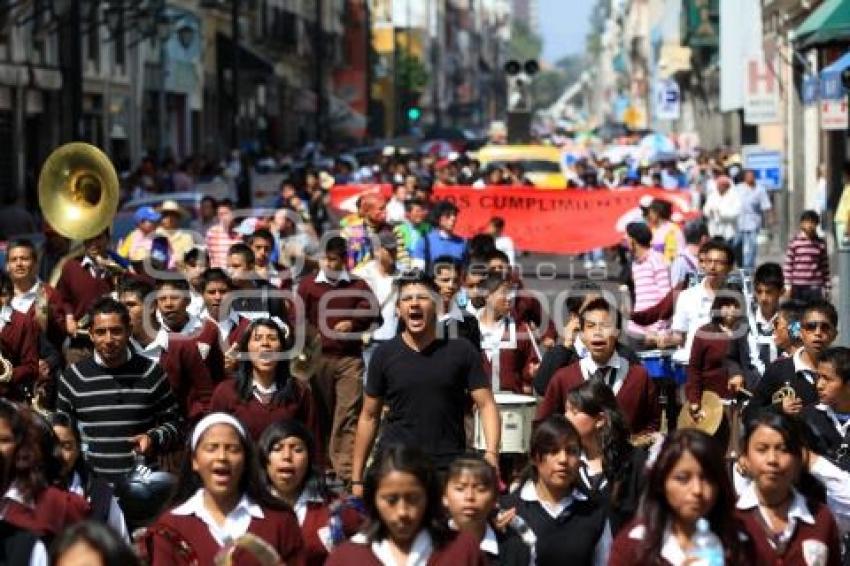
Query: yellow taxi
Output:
(541,163)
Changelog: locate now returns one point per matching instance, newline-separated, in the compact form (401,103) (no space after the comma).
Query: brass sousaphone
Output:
(78,191)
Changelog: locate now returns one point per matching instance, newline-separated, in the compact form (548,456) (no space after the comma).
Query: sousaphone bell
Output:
(78,191)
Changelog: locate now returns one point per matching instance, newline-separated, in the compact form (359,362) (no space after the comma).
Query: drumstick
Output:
(746,392)
(534,345)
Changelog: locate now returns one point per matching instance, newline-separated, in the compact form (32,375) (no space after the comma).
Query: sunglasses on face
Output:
(817,325)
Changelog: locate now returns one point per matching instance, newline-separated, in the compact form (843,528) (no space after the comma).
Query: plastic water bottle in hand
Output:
(706,548)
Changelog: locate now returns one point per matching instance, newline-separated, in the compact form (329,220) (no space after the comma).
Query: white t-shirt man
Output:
(693,310)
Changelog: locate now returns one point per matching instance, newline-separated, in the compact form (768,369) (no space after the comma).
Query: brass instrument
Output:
(710,415)
(5,369)
(305,364)
(78,191)
(784,392)
(645,439)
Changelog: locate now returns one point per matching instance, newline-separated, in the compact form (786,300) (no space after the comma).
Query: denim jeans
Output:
(749,248)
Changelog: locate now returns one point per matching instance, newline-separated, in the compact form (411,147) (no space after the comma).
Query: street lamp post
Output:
(163,32)
(234,118)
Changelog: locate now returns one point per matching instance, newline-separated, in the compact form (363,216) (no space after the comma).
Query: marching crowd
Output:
(277,391)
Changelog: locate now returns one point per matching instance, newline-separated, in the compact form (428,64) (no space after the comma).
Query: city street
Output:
(425,282)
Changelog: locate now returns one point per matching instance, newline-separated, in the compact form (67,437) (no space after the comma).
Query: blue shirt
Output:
(437,244)
(754,203)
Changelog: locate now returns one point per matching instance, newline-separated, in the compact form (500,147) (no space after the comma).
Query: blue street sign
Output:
(667,100)
(767,165)
(810,89)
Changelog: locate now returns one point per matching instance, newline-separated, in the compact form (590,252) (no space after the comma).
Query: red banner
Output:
(561,222)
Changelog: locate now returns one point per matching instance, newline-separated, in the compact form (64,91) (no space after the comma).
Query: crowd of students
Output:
(259,396)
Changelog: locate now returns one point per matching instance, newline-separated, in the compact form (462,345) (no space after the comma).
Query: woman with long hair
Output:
(470,496)
(778,509)
(405,519)
(76,477)
(32,465)
(263,391)
(553,505)
(687,482)
(219,500)
(611,468)
(287,455)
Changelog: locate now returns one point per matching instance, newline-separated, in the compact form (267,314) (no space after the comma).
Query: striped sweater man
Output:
(806,266)
(114,405)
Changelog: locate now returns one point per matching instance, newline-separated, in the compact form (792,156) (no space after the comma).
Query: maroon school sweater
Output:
(637,398)
(19,344)
(707,369)
(823,531)
(56,310)
(79,289)
(257,417)
(462,550)
(53,511)
(514,363)
(210,336)
(359,298)
(278,528)
(189,376)
(317,517)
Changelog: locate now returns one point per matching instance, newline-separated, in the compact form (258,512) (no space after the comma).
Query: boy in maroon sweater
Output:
(636,394)
(83,281)
(341,307)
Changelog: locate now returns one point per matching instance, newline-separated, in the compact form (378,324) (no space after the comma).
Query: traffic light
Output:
(414,113)
(519,77)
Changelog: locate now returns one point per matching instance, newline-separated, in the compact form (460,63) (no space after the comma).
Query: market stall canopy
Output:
(829,23)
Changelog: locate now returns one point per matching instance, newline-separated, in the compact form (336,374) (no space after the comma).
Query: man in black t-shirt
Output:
(425,381)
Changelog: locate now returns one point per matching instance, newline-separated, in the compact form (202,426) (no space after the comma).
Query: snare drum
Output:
(656,362)
(517,413)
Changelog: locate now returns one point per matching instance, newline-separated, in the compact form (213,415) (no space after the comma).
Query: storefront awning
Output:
(829,23)
(830,79)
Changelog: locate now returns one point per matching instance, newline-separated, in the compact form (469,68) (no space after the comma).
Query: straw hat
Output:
(171,206)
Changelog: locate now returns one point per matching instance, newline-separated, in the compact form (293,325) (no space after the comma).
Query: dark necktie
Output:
(606,375)
(764,330)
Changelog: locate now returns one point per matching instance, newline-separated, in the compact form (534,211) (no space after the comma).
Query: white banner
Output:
(833,114)
(740,37)
(761,97)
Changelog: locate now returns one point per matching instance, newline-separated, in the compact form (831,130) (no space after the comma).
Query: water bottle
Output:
(706,548)
(462,298)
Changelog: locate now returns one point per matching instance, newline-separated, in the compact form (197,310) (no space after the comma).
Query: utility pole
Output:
(435,66)
(71,55)
(234,32)
(318,78)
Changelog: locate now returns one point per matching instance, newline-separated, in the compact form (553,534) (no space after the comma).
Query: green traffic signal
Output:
(414,113)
